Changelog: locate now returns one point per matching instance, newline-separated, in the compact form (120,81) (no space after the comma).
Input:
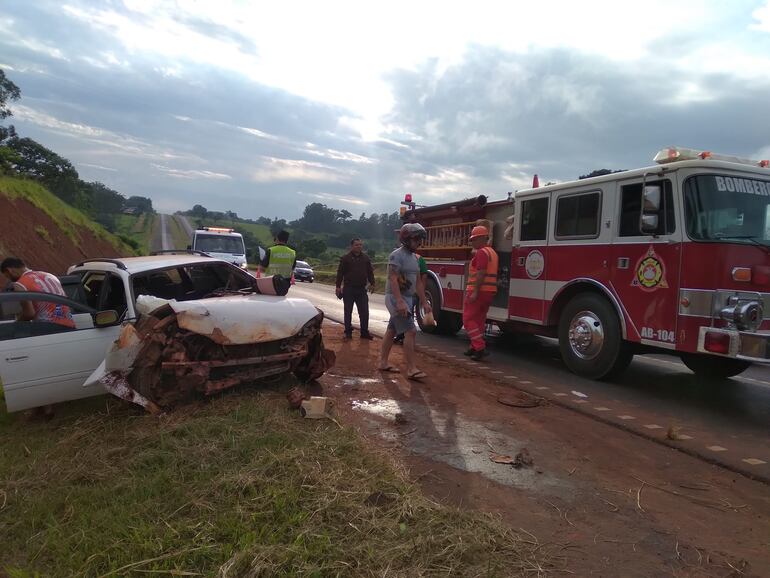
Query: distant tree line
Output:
(319,228)
(22,156)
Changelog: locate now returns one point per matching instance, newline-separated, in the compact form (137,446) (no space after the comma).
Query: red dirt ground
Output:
(607,502)
(19,238)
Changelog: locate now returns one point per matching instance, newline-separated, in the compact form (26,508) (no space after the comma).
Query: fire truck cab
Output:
(672,257)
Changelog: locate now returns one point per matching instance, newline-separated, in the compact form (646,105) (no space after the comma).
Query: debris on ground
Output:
(501,459)
(523,459)
(400,419)
(316,407)
(520,399)
(296,396)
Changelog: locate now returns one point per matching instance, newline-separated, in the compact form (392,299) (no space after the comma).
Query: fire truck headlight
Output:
(743,314)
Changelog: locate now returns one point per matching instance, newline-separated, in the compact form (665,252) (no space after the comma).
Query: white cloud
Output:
(335,198)
(762,17)
(191,173)
(275,169)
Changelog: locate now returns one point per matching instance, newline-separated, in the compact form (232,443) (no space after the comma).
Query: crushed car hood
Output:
(243,319)
(227,320)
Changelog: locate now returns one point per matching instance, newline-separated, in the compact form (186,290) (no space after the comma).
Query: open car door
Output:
(43,363)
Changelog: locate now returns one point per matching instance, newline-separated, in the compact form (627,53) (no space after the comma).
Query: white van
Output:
(221,243)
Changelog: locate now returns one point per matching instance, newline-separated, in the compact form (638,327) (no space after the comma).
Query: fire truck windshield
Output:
(727,208)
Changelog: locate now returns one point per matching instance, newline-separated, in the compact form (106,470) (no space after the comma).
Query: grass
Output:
(236,486)
(67,217)
(139,228)
(42,232)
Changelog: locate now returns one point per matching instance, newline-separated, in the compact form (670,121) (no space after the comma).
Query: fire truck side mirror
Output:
(651,199)
(651,203)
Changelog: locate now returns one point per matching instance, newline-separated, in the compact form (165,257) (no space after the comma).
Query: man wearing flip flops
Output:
(402,286)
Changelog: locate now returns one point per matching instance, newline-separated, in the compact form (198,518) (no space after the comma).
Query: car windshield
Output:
(219,244)
(302,265)
(189,282)
(727,208)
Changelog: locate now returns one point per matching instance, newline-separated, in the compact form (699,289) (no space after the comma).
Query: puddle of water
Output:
(351,381)
(387,408)
(461,443)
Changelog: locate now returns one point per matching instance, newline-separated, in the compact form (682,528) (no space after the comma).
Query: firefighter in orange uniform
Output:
(481,289)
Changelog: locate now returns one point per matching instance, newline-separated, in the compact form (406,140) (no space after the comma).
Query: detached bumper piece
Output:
(157,364)
(751,346)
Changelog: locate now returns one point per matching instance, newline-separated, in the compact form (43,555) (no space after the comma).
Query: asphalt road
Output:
(162,240)
(657,397)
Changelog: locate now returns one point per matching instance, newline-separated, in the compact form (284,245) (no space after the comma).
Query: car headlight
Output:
(244,266)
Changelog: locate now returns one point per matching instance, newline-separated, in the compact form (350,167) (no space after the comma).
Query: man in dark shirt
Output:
(353,273)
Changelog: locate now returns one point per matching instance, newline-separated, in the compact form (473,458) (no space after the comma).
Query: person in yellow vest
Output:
(279,259)
(481,289)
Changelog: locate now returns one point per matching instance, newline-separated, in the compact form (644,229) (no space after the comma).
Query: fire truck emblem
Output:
(650,272)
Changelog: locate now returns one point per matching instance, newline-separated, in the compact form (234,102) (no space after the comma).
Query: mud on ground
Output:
(614,504)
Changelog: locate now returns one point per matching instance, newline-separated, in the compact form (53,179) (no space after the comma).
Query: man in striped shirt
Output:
(24,279)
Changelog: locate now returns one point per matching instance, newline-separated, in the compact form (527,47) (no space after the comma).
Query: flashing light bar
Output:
(218,230)
(672,154)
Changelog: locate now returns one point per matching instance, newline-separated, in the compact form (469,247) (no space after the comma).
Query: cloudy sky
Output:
(264,107)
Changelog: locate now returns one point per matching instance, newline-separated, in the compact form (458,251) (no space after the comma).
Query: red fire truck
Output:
(675,257)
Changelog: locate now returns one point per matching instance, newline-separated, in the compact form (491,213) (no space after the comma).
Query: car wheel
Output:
(713,368)
(590,338)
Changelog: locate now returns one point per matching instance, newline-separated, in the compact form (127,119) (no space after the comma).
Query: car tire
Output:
(712,367)
(590,338)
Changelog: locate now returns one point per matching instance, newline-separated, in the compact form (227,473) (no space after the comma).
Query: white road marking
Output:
(653,426)
(498,372)
(754,461)
(602,408)
(560,394)
(526,382)
(684,437)
(716,448)
(543,387)
(626,417)
(512,377)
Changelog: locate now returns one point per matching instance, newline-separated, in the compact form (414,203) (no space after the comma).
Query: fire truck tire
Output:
(590,338)
(714,368)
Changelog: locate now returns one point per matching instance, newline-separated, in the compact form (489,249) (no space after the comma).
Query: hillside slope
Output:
(46,232)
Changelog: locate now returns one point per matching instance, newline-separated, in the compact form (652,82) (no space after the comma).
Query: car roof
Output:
(141,264)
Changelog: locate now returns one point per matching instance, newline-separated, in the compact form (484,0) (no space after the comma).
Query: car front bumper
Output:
(751,346)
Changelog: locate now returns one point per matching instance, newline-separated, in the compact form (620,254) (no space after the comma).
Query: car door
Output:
(40,364)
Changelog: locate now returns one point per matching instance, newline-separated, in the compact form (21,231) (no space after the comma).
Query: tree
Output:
(141,204)
(199,212)
(8,92)
(599,173)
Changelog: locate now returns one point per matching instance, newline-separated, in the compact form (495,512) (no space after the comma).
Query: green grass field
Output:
(137,227)
(237,485)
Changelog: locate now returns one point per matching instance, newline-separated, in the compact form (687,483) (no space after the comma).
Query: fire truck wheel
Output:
(590,338)
(714,368)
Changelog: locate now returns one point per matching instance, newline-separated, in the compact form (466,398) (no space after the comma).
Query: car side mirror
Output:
(106,318)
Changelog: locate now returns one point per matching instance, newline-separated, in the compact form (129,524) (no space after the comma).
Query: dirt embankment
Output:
(32,235)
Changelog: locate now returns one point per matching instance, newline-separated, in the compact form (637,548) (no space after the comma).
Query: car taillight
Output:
(761,275)
(717,342)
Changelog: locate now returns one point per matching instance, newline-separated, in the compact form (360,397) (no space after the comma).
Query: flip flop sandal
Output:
(389,369)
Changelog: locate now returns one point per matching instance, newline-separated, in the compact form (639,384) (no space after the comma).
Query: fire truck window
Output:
(578,215)
(534,219)
(631,207)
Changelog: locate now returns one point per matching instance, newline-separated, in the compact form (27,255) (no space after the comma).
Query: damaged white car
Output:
(156,331)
